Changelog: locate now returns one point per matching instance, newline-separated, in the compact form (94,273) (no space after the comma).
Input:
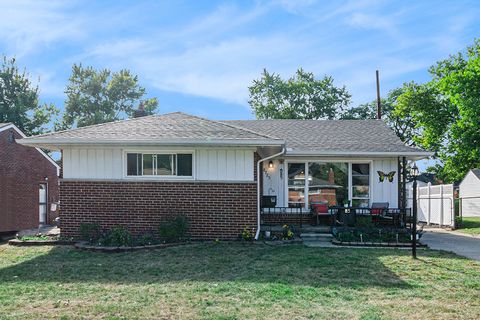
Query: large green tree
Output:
(19,102)
(300,97)
(446,111)
(99,96)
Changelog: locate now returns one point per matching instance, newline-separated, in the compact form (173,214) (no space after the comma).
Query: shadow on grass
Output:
(291,264)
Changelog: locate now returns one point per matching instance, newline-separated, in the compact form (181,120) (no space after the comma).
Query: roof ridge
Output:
(227,125)
(247,130)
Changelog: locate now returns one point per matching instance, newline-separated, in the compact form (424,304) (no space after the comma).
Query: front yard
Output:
(237,281)
(470,225)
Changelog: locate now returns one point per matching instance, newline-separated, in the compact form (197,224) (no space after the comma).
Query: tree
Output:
(99,96)
(300,97)
(446,113)
(19,100)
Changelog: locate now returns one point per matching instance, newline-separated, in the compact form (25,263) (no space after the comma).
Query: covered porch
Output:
(324,192)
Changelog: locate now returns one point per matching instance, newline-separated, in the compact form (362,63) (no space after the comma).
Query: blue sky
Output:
(200,56)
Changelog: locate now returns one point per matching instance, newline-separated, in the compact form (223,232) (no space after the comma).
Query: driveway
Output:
(466,246)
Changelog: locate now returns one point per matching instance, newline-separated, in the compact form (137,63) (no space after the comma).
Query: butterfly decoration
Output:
(382,175)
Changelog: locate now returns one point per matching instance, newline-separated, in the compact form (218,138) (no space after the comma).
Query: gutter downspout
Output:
(257,234)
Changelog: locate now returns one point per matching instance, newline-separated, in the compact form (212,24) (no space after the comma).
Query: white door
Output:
(42,203)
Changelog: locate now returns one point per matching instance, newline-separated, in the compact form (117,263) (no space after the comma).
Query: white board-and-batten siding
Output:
(212,164)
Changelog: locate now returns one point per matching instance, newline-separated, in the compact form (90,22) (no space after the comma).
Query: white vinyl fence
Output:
(436,205)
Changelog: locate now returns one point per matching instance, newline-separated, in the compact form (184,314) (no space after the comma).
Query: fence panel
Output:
(436,205)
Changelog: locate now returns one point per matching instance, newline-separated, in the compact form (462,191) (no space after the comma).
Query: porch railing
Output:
(338,216)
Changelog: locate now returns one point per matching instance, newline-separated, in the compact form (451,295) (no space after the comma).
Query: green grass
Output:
(237,281)
(470,226)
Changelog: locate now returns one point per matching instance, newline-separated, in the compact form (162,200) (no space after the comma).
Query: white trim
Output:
(12,126)
(65,142)
(158,177)
(360,153)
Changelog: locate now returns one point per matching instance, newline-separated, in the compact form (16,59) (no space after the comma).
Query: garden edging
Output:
(375,244)
(31,243)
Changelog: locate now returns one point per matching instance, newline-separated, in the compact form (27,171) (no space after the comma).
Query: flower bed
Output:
(373,237)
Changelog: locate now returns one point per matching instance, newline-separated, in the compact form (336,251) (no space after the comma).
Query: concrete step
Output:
(316,237)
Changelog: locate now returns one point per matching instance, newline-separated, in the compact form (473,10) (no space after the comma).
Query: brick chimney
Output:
(140,112)
(331,176)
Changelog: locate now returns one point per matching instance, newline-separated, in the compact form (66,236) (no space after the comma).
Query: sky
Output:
(200,57)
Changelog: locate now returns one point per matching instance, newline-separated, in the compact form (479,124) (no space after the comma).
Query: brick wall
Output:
(215,210)
(21,170)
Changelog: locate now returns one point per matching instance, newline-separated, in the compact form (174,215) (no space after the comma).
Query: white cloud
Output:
(28,25)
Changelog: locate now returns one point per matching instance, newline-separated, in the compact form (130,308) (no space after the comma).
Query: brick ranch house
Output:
(136,171)
(28,183)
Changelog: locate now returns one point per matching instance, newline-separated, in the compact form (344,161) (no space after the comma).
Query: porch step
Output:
(316,237)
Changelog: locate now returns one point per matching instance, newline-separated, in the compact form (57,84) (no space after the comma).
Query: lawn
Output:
(470,225)
(237,281)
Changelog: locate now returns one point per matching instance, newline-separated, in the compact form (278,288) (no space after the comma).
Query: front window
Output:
(296,185)
(328,183)
(151,164)
(360,184)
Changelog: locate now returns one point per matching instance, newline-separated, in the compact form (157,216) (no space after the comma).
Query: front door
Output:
(42,203)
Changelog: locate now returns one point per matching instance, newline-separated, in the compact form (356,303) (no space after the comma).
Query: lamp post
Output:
(414,173)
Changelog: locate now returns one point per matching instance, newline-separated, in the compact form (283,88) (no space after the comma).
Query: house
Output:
(28,183)
(469,193)
(134,172)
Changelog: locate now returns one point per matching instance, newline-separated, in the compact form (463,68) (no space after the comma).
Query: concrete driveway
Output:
(466,246)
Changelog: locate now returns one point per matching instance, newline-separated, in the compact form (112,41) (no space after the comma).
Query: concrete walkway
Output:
(466,246)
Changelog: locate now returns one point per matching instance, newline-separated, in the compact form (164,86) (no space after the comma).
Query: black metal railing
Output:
(340,216)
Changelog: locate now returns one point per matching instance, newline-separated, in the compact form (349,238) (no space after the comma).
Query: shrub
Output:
(90,232)
(174,228)
(119,236)
(287,232)
(246,235)
(364,222)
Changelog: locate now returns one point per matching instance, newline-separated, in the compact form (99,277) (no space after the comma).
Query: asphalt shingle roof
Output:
(175,126)
(330,135)
(309,136)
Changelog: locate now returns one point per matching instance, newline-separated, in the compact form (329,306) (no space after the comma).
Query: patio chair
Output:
(319,209)
(379,211)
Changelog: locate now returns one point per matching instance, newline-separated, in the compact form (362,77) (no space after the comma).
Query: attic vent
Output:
(11,136)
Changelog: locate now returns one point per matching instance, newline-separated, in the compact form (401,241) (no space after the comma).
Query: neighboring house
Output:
(136,171)
(469,193)
(28,183)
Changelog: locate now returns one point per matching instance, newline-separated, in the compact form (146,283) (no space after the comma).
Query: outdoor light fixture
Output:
(414,174)
(270,164)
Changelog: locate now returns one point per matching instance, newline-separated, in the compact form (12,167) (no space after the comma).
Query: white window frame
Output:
(157,177)
(349,162)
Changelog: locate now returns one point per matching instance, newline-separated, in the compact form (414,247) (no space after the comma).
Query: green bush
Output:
(364,222)
(90,232)
(119,236)
(174,228)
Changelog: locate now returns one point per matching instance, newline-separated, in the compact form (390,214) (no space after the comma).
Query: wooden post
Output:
(429,212)
(379,104)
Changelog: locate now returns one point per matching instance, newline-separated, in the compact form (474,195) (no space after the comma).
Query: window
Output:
(151,164)
(332,183)
(360,184)
(296,185)
(328,182)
